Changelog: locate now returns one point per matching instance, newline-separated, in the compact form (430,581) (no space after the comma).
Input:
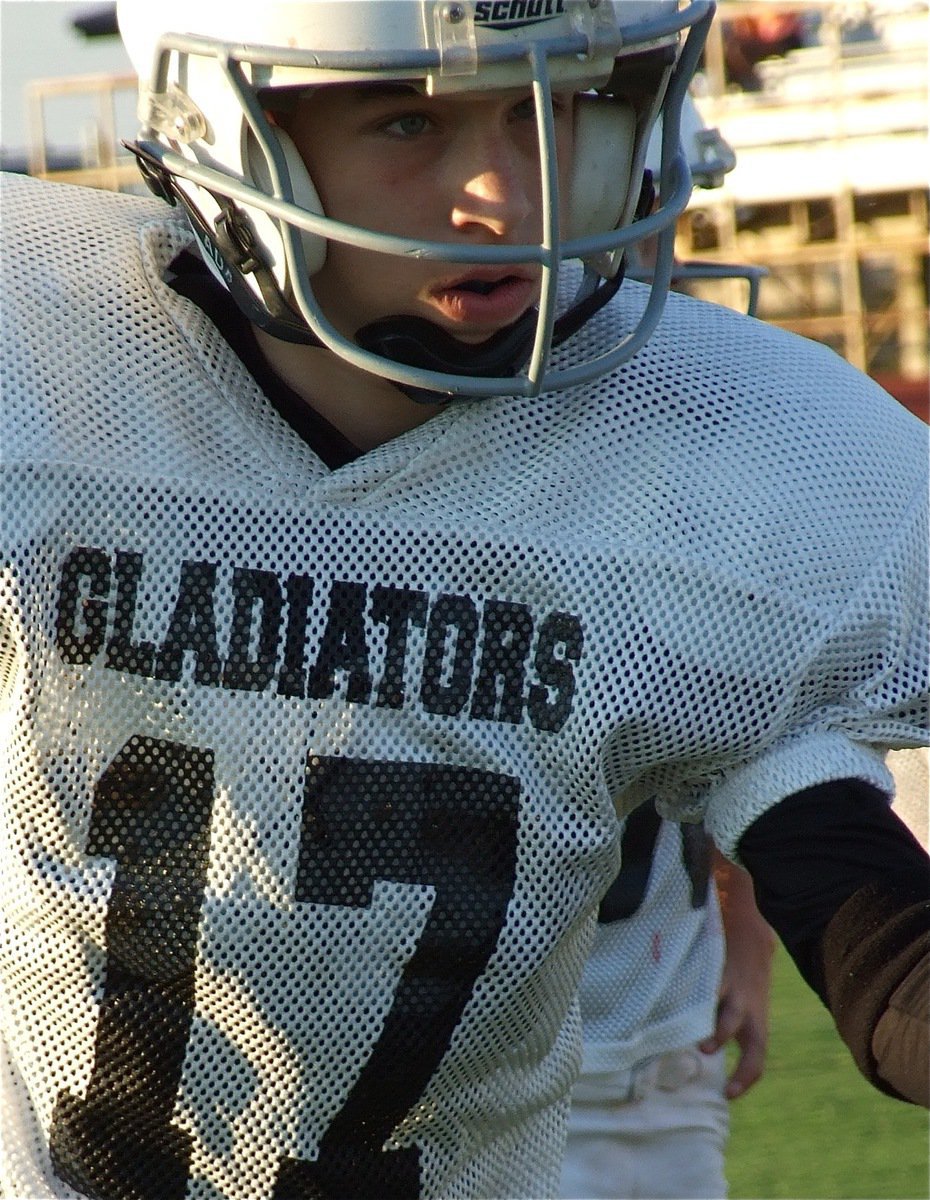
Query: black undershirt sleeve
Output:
(846,886)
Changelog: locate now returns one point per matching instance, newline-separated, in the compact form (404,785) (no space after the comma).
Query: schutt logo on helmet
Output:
(515,14)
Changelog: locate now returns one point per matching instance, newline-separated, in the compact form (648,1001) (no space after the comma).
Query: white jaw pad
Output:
(605,140)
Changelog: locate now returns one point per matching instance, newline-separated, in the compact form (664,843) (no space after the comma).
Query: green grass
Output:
(812,1127)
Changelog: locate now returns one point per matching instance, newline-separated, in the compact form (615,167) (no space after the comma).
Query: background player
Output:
(320,702)
(649,1114)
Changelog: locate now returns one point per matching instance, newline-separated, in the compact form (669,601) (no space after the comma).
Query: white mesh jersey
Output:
(308,774)
(651,980)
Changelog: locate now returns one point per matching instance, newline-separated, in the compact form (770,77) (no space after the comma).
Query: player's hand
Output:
(745,985)
(742,1017)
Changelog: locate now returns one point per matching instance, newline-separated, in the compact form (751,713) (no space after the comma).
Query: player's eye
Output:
(525,110)
(408,125)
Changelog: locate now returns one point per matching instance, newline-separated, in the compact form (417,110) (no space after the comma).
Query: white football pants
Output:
(656,1132)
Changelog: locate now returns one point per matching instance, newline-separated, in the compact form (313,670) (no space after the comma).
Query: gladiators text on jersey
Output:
(491,659)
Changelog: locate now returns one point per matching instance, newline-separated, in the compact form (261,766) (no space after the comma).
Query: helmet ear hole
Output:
(304,193)
(605,139)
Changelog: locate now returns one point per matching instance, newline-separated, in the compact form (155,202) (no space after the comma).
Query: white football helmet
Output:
(710,158)
(207,72)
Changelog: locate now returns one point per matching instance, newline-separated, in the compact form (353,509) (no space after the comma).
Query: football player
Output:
(369,548)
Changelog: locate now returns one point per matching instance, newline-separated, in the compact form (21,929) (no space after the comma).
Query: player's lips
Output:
(485,298)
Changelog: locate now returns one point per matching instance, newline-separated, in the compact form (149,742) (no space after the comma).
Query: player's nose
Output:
(496,189)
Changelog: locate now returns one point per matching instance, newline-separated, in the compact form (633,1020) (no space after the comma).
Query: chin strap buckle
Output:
(236,239)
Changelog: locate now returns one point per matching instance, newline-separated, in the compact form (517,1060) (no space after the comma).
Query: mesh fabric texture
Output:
(310,777)
(650,983)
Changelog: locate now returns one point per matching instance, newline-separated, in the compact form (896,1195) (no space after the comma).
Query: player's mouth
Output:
(485,299)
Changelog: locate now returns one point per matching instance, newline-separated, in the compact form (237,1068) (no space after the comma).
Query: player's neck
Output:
(366,410)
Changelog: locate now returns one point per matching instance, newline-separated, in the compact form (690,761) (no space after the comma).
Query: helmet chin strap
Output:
(230,251)
(416,342)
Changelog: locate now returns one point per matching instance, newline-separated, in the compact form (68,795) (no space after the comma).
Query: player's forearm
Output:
(876,976)
(742,1014)
(747,932)
(847,888)
(900,1042)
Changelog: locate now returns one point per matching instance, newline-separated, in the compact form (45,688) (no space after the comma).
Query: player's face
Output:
(461,169)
